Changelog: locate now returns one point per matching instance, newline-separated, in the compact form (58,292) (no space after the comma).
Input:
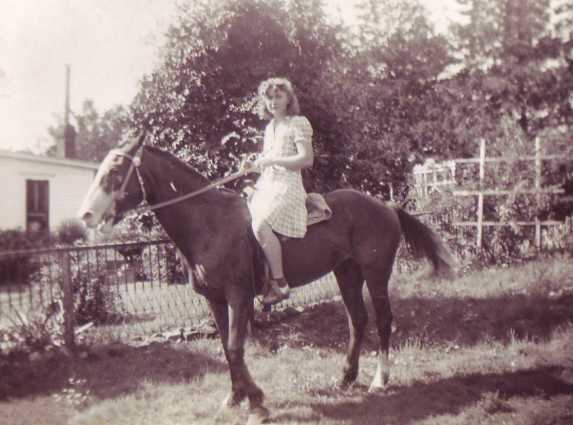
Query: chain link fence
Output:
(116,289)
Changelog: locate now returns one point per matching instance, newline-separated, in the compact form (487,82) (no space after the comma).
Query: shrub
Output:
(71,232)
(169,270)
(16,265)
(95,302)
(506,244)
(94,299)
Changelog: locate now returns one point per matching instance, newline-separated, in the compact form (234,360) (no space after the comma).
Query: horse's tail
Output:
(424,242)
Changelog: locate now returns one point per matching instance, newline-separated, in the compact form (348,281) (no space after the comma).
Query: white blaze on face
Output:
(99,202)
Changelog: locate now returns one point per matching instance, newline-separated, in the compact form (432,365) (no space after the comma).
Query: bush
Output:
(16,265)
(143,259)
(170,270)
(501,245)
(94,300)
(71,232)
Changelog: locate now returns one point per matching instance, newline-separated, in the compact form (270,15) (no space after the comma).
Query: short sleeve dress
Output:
(279,197)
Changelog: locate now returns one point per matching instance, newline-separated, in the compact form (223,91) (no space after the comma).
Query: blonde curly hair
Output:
(272,84)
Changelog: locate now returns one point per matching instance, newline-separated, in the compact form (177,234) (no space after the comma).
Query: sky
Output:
(109,45)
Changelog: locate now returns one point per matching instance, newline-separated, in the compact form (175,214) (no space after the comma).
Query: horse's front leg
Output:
(220,310)
(243,384)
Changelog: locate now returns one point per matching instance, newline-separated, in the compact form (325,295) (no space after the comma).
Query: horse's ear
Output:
(140,139)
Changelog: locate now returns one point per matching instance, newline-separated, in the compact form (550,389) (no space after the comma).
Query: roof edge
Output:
(48,160)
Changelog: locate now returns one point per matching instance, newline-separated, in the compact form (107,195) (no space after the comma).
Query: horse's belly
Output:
(311,257)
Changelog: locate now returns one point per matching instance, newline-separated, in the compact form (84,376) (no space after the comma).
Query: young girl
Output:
(278,203)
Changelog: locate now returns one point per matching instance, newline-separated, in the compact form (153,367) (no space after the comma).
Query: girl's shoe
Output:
(277,291)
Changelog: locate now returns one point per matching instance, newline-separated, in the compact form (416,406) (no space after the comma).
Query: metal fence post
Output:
(69,336)
(538,175)
(480,193)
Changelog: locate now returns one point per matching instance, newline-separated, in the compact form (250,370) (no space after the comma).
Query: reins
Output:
(190,195)
(136,163)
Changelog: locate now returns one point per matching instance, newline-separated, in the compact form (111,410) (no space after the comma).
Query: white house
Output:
(38,193)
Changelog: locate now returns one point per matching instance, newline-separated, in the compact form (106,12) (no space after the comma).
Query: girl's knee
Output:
(260,229)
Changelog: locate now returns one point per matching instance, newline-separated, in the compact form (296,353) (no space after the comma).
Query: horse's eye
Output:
(112,181)
(115,177)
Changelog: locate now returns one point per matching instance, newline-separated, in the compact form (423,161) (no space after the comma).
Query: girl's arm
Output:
(303,158)
(250,161)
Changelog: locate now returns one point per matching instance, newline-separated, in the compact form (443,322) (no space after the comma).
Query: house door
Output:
(37,205)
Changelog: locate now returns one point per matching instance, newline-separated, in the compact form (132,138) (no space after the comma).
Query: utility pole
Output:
(67,105)
(69,144)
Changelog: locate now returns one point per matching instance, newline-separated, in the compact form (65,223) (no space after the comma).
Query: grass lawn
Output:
(492,347)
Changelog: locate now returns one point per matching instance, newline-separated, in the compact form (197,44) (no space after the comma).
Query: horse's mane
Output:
(176,162)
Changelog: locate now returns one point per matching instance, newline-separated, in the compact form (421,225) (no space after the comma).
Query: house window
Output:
(37,205)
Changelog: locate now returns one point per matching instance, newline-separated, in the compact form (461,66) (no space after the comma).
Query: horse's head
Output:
(116,188)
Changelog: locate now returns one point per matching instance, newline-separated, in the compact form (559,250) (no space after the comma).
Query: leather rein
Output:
(136,163)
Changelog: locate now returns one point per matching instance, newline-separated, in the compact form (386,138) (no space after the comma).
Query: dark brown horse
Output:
(358,244)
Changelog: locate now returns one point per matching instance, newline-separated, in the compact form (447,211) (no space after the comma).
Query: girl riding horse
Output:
(278,203)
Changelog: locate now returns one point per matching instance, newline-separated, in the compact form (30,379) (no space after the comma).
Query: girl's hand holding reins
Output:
(256,165)
(263,163)
(248,164)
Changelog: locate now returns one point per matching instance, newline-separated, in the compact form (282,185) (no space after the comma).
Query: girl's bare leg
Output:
(273,252)
(271,247)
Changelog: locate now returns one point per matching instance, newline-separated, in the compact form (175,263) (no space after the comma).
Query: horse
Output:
(212,232)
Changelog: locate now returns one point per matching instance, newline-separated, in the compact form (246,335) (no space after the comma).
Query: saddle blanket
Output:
(318,209)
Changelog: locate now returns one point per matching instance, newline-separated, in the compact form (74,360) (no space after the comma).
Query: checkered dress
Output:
(279,198)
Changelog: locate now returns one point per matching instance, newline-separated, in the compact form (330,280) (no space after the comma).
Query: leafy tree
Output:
(199,102)
(510,42)
(380,98)
(564,19)
(96,133)
(391,68)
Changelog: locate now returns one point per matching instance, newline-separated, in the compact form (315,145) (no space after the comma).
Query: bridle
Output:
(135,163)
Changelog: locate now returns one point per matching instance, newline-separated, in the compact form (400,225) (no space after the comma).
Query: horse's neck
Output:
(164,181)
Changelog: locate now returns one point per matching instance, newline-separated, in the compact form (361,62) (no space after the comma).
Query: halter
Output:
(136,163)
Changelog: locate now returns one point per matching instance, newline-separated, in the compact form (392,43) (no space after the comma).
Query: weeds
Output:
(76,393)
(32,333)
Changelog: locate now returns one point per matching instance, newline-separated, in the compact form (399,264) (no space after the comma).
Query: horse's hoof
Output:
(258,415)
(378,386)
(345,384)
(376,389)
(348,380)
(227,414)
(379,383)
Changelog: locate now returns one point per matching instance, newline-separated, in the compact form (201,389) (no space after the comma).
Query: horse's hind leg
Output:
(350,282)
(377,282)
